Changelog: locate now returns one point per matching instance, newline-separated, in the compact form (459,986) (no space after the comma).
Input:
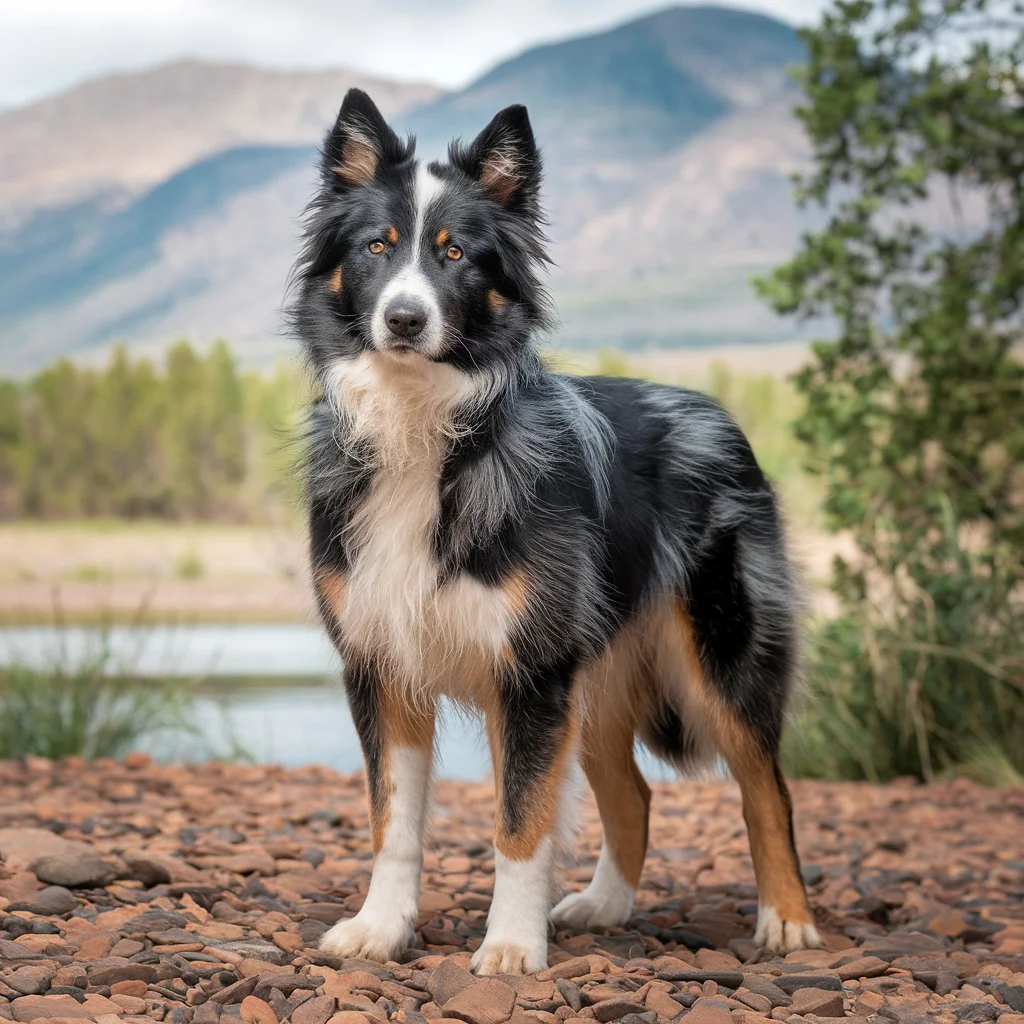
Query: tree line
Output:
(190,438)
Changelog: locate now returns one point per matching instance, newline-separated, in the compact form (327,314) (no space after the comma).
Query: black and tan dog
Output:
(586,561)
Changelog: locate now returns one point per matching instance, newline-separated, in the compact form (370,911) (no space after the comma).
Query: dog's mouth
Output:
(401,348)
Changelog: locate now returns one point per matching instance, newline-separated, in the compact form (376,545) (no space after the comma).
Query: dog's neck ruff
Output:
(406,407)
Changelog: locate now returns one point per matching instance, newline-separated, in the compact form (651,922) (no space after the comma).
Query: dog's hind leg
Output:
(750,747)
(623,800)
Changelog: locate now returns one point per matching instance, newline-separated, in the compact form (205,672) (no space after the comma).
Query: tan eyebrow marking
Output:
(443,236)
(392,234)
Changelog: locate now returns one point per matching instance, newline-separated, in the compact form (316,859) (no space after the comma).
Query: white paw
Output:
(366,939)
(495,957)
(591,909)
(784,936)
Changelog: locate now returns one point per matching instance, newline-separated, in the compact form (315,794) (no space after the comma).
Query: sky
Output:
(49,45)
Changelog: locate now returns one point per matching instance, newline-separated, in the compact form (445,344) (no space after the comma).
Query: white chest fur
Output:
(444,638)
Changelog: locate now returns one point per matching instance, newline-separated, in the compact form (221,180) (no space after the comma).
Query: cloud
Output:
(49,45)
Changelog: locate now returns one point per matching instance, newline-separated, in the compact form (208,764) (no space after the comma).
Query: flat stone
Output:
(974,1012)
(708,1014)
(51,901)
(762,1004)
(236,992)
(31,980)
(256,1011)
(1013,996)
(615,1009)
(448,979)
(764,987)
(74,870)
(486,1001)
(19,847)
(258,949)
(16,950)
(813,1000)
(148,872)
(153,921)
(574,968)
(864,967)
(29,1008)
(126,972)
(317,1010)
(792,982)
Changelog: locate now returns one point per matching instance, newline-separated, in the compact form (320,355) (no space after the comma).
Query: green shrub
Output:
(189,566)
(914,414)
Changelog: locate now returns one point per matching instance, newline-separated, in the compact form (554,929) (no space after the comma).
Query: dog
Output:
(585,561)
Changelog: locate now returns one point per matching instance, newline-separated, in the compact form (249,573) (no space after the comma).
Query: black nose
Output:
(406,316)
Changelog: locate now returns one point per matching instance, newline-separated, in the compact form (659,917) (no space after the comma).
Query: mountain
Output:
(627,94)
(127,132)
(668,144)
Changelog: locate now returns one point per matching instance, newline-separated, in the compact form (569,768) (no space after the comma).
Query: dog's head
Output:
(409,261)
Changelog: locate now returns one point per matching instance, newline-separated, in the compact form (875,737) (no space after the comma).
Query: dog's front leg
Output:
(533,732)
(397,742)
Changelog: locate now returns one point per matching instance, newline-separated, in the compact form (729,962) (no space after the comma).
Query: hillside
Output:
(668,144)
(126,132)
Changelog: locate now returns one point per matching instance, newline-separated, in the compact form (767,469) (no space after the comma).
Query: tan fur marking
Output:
(392,234)
(333,587)
(544,797)
(442,237)
(358,162)
(334,281)
(496,300)
(517,588)
(622,794)
(401,726)
(500,176)
(766,805)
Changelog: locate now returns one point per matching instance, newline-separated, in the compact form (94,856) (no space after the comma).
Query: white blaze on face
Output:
(410,279)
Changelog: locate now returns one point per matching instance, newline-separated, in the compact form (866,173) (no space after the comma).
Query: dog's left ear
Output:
(504,158)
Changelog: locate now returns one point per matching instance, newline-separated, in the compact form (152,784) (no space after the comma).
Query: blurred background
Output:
(155,159)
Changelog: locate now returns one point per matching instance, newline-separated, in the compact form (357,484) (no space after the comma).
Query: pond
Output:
(271,692)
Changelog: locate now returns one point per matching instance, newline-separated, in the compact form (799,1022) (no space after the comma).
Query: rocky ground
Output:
(143,892)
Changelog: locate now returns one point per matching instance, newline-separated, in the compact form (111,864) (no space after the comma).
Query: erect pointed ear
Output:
(360,143)
(504,159)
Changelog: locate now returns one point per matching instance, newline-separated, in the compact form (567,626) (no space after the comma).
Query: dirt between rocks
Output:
(139,891)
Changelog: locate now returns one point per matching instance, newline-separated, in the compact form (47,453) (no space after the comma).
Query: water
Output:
(271,692)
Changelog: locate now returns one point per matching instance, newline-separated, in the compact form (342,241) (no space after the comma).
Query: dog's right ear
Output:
(360,144)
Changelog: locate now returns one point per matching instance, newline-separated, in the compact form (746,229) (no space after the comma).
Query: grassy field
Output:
(94,572)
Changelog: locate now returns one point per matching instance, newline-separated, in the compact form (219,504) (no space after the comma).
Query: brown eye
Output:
(377,247)
(454,252)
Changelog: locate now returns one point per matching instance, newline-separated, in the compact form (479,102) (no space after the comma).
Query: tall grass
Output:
(85,709)
(919,681)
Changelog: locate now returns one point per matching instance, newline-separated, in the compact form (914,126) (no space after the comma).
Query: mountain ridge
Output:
(668,145)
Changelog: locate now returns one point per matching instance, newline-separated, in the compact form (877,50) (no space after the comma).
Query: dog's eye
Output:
(377,247)
(454,252)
